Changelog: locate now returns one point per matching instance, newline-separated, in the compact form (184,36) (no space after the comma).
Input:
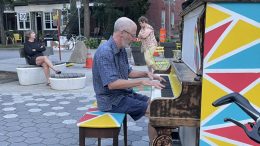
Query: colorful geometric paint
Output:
(97,119)
(231,64)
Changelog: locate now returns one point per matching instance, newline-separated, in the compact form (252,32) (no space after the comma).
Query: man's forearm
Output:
(137,74)
(124,84)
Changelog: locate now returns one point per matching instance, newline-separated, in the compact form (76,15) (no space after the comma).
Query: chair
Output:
(9,38)
(17,37)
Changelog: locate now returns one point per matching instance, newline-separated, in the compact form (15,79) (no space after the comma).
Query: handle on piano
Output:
(253,134)
(241,101)
(245,105)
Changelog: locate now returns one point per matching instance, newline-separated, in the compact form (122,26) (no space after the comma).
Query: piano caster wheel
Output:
(162,140)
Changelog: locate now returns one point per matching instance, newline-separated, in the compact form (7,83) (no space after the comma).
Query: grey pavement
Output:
(36,115)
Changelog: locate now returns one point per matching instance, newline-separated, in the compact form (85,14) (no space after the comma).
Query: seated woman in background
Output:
(34,54)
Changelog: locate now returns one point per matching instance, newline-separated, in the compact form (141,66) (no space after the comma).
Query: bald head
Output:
(124,23)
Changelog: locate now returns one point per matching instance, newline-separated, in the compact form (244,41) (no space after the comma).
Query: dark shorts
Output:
(135,106)
(31,60)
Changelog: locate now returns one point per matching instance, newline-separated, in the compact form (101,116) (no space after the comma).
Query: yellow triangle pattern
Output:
(219,142)
(214,16)
(210,93)
(241,34)
(104,121)
(253,95)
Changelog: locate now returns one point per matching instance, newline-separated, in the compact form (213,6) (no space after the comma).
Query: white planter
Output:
(68,83)
(30,75)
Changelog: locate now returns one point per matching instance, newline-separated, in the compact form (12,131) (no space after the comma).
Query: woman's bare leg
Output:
(45,59)
(46,71)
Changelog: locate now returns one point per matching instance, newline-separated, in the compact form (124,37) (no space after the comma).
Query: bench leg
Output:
(115,141)
(81,137)
(99,141)
(125,130)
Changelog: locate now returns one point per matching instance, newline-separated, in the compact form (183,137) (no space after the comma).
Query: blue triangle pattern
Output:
(232,111)
(118,116)
(203,143)
(247,59)
(242,9)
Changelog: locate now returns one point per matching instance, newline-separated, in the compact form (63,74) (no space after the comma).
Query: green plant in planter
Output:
(92,43)
(168,40)
(136,44)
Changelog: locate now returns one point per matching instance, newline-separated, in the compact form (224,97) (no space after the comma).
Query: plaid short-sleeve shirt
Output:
(110,64)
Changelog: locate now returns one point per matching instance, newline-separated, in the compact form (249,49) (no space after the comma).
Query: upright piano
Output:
(178,104)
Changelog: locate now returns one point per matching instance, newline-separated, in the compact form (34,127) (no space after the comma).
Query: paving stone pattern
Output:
(50,120)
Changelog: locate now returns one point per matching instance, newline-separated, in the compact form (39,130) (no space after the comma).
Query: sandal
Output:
(58,72)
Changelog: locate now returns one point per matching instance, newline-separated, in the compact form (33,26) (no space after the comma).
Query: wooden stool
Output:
(102,125)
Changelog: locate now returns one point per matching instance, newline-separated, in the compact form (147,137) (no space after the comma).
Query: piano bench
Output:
(97,124)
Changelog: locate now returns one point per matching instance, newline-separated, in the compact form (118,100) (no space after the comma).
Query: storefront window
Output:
(48,21)
(23,20)
(163,19)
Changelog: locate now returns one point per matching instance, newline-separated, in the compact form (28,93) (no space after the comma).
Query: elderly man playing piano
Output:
(111,72)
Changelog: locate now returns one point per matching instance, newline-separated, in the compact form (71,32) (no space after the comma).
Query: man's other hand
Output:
(152,76)
(156,84)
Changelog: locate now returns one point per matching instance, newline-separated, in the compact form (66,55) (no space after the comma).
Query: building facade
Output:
(39,15)
(165,14)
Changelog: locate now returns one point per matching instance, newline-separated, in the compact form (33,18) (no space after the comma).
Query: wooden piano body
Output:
(183,109)
(230,53)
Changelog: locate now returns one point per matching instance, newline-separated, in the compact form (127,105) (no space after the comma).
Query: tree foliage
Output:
(107,11)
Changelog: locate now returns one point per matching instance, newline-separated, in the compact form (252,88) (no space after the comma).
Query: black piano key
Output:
(167,91)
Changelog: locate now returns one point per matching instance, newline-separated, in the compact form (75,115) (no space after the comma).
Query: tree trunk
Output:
(2,33)
(86,18)
(73,5)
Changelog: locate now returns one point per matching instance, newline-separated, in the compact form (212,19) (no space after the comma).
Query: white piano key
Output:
(155,93)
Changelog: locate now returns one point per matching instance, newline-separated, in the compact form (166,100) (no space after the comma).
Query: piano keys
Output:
(172,87)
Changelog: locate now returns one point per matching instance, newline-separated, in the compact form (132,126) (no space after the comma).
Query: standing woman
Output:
(34,54)
(149,43)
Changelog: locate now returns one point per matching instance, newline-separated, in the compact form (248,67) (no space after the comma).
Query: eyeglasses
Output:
(132,35)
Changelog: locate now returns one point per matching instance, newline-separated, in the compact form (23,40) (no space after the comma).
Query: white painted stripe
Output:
(118,124)
(208,141)
(236,15)
(231,70)
(227,124)
(247,46)
(212,115)
(249,87)
(217,83)
(219,41)
(78,124)
(218,24)
(224,139)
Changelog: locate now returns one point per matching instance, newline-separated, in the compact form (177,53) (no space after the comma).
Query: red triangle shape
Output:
(92,109)
(234,133)
(235,81)
(86,117)
(212,36)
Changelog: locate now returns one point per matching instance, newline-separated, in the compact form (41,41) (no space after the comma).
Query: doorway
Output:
(38,18)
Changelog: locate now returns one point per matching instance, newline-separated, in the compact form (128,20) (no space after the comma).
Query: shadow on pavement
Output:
(6,77)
